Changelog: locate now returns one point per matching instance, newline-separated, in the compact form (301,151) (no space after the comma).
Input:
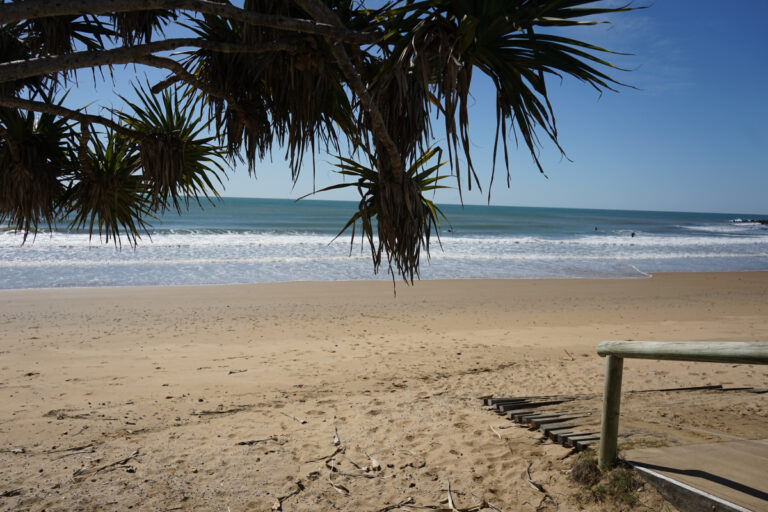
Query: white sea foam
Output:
(212,256)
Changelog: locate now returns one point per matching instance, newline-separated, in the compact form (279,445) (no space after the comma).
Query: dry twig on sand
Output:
(254,441)
(374,464)
(216,411)
(406,501)
(450,498)
(13,450)
(538,487)
(88,449)
(278,505)
(337,487)
(409,504)
(88,471)
(340,449)
(294,418)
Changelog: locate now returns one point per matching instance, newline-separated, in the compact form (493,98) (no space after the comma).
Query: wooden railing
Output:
(735,352)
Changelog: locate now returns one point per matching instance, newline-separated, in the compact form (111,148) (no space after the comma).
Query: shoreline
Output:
(640,276)
(183,375)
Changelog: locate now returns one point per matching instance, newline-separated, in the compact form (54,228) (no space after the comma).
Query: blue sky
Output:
(691,137)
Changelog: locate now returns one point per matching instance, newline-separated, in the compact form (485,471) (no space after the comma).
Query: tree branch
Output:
(31,9)
(19,69)
(182,74)
(323,14)
(58,110)
(164,84)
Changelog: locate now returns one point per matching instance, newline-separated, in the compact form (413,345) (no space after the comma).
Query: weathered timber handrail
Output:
(734,352)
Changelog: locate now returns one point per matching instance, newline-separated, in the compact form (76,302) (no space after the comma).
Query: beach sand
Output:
(142,398)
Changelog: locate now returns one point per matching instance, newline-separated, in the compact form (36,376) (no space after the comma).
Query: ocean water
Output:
(272,240)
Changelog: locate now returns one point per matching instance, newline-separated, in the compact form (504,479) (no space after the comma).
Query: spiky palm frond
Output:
(108,193)
(177,160)
(57,35)
(404,218)
(135,27)
(441,42)
(295,99)
(34,160)
(403,104)
(13,47)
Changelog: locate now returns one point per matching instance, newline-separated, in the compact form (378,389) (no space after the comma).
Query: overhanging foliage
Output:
(300,75)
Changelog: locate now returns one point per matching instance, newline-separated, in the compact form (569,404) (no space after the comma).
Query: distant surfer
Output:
(633,234)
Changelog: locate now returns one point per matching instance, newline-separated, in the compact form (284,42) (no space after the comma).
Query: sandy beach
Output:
(229,397)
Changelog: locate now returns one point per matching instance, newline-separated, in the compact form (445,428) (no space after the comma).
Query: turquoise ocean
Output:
(273,240)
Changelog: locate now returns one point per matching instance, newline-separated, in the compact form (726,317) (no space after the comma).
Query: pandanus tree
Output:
(244,78)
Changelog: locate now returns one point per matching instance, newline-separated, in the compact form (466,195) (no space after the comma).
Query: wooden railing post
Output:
(734,352)
(609,429)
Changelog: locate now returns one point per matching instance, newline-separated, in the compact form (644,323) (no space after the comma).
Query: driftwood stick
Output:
(278,505)
(89,471)
(73,449)
(254,441)
(450,498)
(13,450)
(294,418)
(534,485)
(339,450)
(406,501)
(118,462)
(337,487)
(216,411)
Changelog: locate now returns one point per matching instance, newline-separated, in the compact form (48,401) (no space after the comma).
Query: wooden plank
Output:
(581,445)
(525,418)
(510,407)
(547,428)
(563,416)
(524,415)
(552,434)
(512,414)
(528,418)
(581,436)
(574,443)
(494,401)
(609,428)
(740,352)
(504,402)
(536,423)
(562,438)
